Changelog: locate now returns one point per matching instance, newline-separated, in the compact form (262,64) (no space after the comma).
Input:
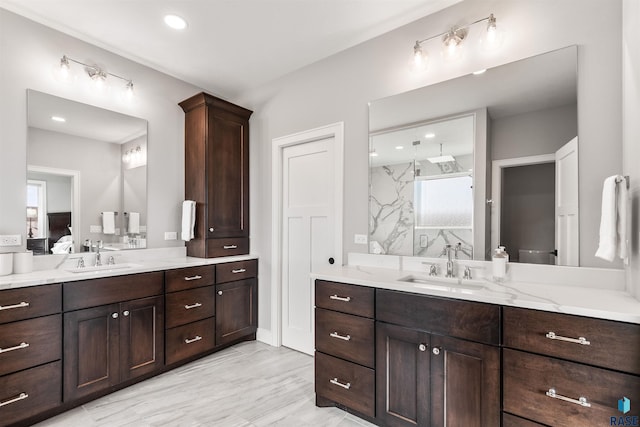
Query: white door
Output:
(567,218)
(308,233)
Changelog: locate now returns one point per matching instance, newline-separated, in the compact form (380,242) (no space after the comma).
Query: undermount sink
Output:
(105,267)
(443,283)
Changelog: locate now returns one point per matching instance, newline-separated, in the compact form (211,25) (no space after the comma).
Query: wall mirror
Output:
(87,177)
(477,161)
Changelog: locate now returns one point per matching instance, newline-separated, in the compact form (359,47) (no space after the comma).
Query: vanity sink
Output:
(444,283)
(91,269)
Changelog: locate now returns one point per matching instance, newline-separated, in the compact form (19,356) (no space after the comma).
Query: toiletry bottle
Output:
(499,264)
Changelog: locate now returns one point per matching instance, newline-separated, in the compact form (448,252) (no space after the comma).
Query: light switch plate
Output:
(11,240)
(170,235)
(360,239)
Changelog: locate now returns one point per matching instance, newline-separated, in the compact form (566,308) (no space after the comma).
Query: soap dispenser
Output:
(499,264)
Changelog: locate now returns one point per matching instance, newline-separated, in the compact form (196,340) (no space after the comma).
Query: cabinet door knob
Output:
(114,315)
(211,229)
(126,313)
(219,292)
(422,347)
(436,350)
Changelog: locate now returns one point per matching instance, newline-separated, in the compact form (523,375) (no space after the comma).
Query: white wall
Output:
(339,88)
(28,54)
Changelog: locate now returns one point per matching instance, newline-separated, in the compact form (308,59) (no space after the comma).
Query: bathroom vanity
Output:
(78,336)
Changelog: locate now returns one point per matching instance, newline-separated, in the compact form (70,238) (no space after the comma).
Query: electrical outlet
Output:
(360,239)
(95,229)
(170,235)
(11,240)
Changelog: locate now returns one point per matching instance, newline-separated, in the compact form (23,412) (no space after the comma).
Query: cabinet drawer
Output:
(189,278)
(108,290)
(27,393)
(29,343)
(614,345)
(227,247)
(345,383)
(509,420)
(190,340)
(25,303)
(527,378)
(188,306)
(230,271)
(461,319)
(345,336)
(351,299)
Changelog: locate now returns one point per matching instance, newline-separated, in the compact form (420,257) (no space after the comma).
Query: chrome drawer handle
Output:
(335,381)
(17,347)
(230,247)
(240,270)
(340,337)
(196,277)
(336,297)
(189,307)
(582,401)
(9,307)
(189,341)
(14,400)
(580,340)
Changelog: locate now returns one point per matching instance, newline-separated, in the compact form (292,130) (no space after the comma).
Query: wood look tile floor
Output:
(250,384)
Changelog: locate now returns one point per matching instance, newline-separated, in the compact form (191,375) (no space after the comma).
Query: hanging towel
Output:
(134,223)
(613,220)
(108,223)
(188,219)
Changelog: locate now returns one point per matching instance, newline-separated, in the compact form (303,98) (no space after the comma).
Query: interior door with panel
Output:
(567,215)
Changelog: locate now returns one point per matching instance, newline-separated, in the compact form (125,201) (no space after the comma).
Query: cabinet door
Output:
(141,336)
(227,175)
(236,310)
(91,349)
(465,383)
(402,376)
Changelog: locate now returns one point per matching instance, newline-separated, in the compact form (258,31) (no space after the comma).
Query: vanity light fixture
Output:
(97,74)
(132,155)
(453,39)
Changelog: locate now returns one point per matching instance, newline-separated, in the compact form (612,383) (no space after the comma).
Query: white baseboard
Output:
(265,336)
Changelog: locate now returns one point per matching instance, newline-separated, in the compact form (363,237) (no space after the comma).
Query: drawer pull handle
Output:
(335,381)
(340,337)
(581,340)
(196,277)
(240,270)
(189,341)
(15,399)
(17,347)
(230,247)
(9,307)
(336,297)
(582,401)
(189,307)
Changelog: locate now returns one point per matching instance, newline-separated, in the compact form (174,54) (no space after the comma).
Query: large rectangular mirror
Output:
(87,177)
(480,161)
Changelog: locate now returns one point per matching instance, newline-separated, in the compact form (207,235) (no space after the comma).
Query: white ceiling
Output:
(230,46)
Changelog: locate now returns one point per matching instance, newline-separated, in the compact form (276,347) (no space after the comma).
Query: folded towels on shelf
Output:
(188,219)
(613,220)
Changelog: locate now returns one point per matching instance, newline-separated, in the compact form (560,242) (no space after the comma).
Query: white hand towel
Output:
(188,219)
(613,220)
(108,223)
(134,223)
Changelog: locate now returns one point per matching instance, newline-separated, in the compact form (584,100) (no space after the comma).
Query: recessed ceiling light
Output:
(430,135)
(175,22)
(58,119)
(477,73)
(399,147)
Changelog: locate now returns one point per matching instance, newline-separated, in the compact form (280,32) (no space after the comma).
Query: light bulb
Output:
(128,91)
(419,62)
(493,37)
(64,67)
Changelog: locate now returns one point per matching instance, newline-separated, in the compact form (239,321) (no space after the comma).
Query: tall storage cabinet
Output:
(217,175)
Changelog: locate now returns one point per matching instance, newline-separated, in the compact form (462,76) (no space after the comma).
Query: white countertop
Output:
(599,303)
(133,265)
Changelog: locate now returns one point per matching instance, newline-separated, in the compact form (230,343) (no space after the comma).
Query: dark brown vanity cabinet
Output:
(217,175)
(236,301)
(113,331)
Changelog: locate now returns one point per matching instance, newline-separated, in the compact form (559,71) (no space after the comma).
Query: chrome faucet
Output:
(447,251)
(433,270)
(457,249)
(98,255)
(467,272)
(80,263)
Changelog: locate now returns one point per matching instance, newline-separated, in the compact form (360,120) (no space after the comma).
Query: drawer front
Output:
(109,290)
(509,420)
(30,343)
(189,278)
(188,306)
(34,301)
(461,319)
(190,340)
(351,299)
(345,383)
(527,378)
(230,271)
(28,393)
(611,344)
(227,247)
(346,336)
